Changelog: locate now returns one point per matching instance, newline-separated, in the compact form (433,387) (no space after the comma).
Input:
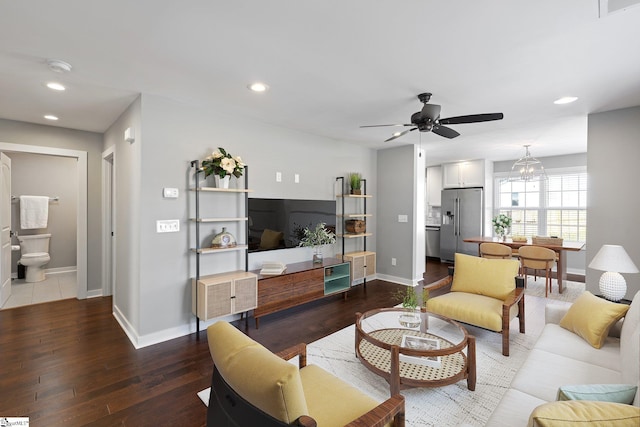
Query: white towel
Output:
(34,212)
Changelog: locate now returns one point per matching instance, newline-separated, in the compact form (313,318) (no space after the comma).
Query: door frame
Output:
(108,221)
(81,215)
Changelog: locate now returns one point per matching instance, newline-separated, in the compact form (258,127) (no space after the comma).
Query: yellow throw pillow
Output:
(270,239)
(583,413)
(591,318)
(493,278)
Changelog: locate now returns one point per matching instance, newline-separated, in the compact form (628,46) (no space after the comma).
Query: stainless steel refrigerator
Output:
(462,211)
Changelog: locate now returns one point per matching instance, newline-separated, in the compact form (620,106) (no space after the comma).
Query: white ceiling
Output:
(332,65)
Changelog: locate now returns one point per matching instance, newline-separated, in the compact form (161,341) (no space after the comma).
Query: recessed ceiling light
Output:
(258,87)
(565,100)
(50,117)
(56,86)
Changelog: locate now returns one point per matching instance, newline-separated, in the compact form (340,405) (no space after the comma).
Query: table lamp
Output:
(613,260)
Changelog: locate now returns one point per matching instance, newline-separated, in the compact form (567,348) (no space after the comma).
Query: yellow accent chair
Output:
(495,251)
(482,292)
(251,386)
(538,258)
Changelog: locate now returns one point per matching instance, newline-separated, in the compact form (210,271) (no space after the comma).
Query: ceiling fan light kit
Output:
(428,120)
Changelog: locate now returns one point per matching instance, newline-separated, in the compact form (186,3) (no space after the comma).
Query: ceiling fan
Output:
(428,120)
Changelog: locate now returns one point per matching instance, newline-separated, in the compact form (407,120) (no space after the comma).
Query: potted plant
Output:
(355,182)
(409,297)
(317,238)
(222,165)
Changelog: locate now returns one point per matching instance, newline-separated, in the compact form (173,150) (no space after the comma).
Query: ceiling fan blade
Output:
(445,131)
(431,111)
(399,134)
(378,126)
(471,118)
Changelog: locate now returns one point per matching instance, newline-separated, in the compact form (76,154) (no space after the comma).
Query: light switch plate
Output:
(167,225)
(403,218)
(170,193)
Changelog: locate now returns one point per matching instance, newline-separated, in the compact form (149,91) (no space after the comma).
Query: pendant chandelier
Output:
(527,169)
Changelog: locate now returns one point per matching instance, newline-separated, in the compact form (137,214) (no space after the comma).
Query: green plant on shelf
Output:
(355,182)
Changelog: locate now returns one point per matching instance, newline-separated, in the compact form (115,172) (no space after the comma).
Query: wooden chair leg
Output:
(505,330)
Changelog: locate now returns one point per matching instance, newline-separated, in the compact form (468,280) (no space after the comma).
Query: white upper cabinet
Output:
(434,185)
(463,174)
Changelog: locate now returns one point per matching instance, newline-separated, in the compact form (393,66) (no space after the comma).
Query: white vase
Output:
(223,182)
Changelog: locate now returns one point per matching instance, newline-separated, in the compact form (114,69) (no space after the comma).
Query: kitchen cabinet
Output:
(463,174)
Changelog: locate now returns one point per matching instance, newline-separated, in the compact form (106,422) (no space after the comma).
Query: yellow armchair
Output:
(482,292)
(254,387)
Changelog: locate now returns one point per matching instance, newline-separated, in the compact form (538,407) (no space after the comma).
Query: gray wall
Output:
(613,152)
(126,292)
(49,136)
(43,175)
(398,190)
(156,284)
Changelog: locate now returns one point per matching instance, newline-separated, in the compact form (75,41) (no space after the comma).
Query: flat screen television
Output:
(278,223)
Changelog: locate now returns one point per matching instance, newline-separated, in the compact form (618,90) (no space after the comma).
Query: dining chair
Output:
(538,258)
(495,250)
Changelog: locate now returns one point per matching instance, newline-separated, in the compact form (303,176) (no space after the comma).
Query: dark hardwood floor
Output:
(68,363)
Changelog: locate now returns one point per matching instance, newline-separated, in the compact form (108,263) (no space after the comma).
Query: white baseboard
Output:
(94,293)
(58,270)
(139,341)
(398,280)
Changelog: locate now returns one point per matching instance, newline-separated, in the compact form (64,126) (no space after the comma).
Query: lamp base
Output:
(612,286)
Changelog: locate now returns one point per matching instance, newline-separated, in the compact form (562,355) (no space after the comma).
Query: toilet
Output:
(35,254)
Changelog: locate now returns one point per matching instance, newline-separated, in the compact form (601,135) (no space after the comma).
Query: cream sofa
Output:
(561,357)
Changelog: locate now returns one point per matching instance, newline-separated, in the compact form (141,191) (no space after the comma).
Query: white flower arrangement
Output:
(501,224)
(221,163)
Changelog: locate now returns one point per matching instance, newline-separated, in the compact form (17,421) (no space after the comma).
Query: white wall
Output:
(613,153)
(172,134)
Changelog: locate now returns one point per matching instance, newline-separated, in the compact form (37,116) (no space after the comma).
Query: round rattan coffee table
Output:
(438,352)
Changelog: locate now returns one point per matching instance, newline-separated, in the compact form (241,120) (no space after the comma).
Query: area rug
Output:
(452,405)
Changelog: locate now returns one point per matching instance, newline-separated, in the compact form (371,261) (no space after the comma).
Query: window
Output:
(556,207)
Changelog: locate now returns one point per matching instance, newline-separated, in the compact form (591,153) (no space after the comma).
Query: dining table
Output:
(560,249)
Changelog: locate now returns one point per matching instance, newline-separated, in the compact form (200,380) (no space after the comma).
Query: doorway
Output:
(108,221)
(81,209)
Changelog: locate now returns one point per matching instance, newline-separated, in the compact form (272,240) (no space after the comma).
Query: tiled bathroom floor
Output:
(56,286)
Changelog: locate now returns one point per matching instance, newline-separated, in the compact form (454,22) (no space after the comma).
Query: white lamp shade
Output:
(613,258)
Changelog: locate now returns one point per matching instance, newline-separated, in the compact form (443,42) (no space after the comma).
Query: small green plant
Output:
(355,181)
(319,236)
(409,298)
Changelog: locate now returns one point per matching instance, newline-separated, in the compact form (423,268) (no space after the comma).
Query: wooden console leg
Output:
(257,322)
